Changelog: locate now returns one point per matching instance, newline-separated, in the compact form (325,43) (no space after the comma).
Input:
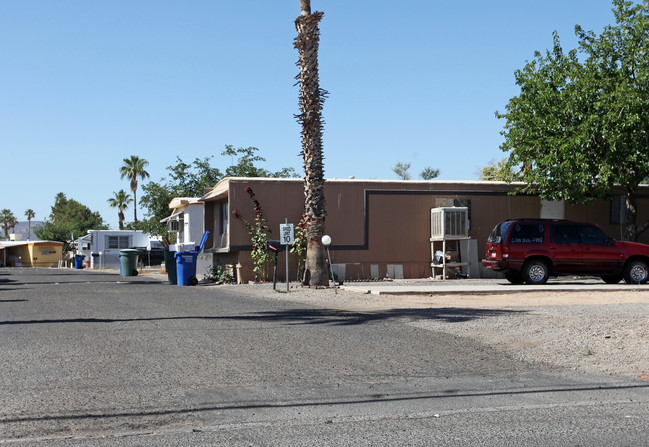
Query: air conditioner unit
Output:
(449,223)
(174,226)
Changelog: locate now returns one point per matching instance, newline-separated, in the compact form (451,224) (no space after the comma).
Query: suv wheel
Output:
(514,277)
(535,271)
(611,279)
(636,272)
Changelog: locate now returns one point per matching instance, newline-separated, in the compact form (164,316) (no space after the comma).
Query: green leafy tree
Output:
(133,168)
(7,219)
(245,164)
(429,173)
(285,173)
(30,214)
(401,169)
(498,171)
(155,200)
(59,203)
(69,217)
(579,125)
(120,201)
(192,179)
(246,159)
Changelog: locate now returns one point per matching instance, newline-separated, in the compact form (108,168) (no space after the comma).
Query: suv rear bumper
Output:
(496,264)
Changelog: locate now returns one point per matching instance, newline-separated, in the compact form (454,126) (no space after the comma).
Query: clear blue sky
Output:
(85,84)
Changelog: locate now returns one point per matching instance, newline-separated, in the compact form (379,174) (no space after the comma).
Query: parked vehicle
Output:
(154,256)
(532,250)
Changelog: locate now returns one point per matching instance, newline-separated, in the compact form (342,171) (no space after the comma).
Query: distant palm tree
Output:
(13,223)
(120,201)
(30,214)
(133,168)
(6,219)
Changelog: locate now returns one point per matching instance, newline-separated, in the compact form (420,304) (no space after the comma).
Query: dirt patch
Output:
(507,300)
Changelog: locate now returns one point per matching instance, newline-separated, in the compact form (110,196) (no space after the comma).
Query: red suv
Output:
(531,250)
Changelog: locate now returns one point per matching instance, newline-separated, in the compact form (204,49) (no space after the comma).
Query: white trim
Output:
(171,217)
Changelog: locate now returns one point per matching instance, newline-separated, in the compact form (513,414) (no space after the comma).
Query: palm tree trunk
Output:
(305,7)
(135,206)
(311,100)
(134,189)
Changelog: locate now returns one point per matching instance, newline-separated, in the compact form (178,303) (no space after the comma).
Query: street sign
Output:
(287,234)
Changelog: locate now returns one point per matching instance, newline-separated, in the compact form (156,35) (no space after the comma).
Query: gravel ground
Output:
(603,338)
(595,331)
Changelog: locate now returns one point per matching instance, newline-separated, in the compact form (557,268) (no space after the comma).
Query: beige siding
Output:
(34,254)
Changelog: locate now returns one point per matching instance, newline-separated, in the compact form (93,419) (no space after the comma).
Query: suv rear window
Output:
(498,233)
(527,234)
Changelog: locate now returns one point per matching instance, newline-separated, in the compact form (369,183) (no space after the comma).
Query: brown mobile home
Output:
(382,228)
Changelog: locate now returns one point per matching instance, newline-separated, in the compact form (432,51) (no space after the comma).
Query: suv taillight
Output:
(494,251)
(505,251)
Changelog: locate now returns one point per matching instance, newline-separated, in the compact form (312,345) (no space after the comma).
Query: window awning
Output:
(171,217)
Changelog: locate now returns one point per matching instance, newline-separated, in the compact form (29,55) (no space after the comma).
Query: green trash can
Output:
(170,267)
(128,262)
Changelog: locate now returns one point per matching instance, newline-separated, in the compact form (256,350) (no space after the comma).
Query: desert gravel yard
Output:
(596,331)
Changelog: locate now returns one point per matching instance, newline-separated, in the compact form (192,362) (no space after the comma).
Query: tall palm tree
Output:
(311,100)
(120,201)
(6,219)
(133,168)
(30,214)
(13,223)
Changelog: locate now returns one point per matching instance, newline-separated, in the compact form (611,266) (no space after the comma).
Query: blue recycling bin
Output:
(186,264)
(186,268)
(78,261)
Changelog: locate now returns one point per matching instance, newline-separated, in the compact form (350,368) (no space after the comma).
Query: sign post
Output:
(287,237)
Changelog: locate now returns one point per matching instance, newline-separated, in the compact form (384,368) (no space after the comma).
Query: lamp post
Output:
(326,241)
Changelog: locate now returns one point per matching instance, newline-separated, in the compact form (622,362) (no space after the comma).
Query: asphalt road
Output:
(92,359)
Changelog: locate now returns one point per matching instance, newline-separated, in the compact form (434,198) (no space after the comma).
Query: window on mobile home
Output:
(117,242)
(224,218)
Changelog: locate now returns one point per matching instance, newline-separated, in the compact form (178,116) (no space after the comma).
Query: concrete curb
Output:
(491,289)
